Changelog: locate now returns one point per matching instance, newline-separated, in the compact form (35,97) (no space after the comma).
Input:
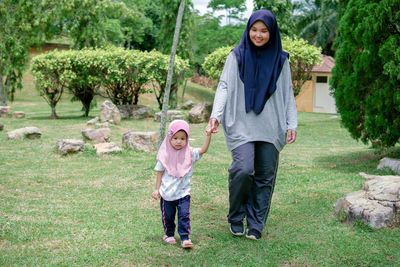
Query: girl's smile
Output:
(259,34)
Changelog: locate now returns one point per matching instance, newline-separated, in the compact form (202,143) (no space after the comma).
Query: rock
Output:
(65,146)
(187,105)
(27,132)
(93,121)
(142,141)
(106,148)
(18,115)
(389,163)
(200,113)
(1,126)
(170,113)
(377,204)
(97,135)
(5,111)
(109,112)
(135,111)
(177,117)
(103,125)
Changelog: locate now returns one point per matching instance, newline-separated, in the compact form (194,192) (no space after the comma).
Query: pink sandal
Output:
(169,239)
(187,243)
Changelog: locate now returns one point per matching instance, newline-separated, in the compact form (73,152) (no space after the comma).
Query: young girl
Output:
(174,168)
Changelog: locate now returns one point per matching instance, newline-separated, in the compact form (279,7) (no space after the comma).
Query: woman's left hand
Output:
(291,136)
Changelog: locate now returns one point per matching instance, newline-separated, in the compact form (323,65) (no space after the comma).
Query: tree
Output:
(282,10)
(233,8)
(170,72)
(366,77)
(23,24)
(316,22)
(209,35)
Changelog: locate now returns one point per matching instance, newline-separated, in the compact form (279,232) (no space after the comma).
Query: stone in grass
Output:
(5,111)
(97,135)
(19,115)
(27,133)
(170,113)
(106,148)
(65,146)
(1,126)
(389,163)
(109,112)
(93,121)
(200,113)
(377,204)
(187,105)
(142,141)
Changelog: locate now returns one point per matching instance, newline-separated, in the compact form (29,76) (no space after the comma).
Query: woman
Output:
(255,104)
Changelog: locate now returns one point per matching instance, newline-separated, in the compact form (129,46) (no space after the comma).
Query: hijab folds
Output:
(260,67)
(177,163)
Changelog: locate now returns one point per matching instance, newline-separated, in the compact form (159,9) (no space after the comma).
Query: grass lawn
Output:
(88,210)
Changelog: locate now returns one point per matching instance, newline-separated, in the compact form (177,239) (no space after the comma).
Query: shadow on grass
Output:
(355,162)
(70,117)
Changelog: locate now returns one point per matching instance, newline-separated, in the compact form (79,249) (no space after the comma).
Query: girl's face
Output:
(179,140)
(259,34)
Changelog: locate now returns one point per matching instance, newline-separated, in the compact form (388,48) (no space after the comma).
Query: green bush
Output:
(366,76)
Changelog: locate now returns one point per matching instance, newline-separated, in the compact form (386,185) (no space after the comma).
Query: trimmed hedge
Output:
(114,73)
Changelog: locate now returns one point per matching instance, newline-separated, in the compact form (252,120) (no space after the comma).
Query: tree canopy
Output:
(366,77)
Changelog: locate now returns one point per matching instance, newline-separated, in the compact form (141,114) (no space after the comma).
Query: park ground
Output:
(91,210)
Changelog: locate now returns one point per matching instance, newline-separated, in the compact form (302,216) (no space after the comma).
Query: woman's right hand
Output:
(212,126)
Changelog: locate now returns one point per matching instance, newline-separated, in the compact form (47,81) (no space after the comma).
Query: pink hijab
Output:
(176,162)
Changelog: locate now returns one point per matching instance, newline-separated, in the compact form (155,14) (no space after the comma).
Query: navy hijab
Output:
(260,67)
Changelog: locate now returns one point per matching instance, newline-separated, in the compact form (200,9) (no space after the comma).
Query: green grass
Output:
(88,210)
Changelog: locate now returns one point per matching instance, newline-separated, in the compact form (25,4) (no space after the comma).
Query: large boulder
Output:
(200,113)
(135,111)
(110,113)
(377,204)
(170,113)
(93,121)
(27,133)
(1,126)
(142,141)
(97,135)
(106,148)
(65,146)
(389,163)
(187,105)
(18,115)
(5,111)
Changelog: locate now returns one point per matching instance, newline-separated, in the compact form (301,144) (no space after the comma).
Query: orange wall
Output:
(305,99)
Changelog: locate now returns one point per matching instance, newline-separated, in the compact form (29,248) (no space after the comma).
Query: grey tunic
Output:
(279,113)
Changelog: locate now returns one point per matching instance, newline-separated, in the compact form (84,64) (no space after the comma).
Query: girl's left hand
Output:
(156,194)
(291,136)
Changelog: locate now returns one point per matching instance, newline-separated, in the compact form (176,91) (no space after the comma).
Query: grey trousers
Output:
(251,183)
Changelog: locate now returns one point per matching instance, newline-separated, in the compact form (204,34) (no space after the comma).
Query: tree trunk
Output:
(183,92)
(53,115)
(170,73)
(1,90)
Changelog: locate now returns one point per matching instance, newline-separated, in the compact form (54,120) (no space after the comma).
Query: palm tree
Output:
(316,22)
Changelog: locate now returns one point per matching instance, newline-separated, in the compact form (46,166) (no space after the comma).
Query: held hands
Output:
(212,126)
(156,194)
(291,136)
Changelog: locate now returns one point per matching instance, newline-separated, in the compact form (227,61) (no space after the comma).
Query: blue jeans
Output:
(168,211)
(252,177)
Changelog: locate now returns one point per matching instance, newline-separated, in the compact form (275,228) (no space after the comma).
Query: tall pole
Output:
(170,73)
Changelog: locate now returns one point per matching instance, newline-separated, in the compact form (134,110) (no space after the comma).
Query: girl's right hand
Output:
(156,194)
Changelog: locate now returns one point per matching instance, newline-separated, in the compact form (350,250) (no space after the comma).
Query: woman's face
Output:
(178,140)
(259,34)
